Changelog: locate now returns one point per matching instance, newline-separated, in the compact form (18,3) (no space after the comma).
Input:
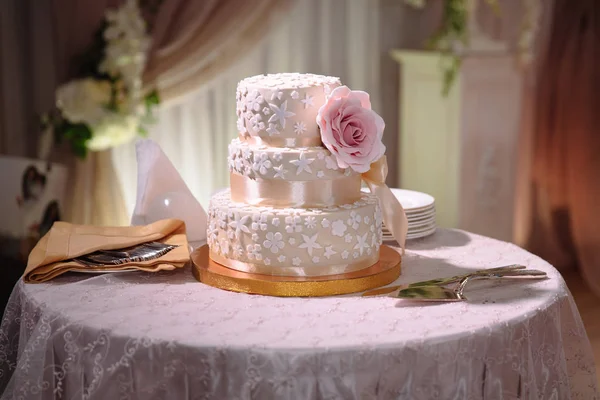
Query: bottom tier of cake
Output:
(294,241)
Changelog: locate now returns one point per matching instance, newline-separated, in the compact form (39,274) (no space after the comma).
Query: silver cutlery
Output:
(441,294)
(442,281)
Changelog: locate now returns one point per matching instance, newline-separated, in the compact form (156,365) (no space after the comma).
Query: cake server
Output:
(441,281)
(442,294)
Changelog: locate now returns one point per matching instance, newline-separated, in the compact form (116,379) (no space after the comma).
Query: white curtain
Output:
(333,37)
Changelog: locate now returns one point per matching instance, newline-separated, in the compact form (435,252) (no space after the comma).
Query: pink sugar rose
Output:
(350,130)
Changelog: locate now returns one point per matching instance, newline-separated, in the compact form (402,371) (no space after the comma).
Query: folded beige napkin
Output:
(53,255)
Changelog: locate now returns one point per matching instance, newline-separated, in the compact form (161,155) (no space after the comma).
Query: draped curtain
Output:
(334,37)
(561,163)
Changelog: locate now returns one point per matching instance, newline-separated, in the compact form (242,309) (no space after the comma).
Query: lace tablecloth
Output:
(166,336)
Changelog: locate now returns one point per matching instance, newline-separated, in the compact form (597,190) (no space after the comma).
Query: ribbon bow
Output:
(393,212)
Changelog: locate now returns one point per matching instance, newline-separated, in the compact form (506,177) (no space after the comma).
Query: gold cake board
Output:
(385,271)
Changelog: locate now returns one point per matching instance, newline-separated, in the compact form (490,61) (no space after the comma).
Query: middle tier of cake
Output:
(294,241)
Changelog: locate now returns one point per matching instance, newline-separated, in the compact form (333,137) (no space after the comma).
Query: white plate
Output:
(422,234)
(411,200)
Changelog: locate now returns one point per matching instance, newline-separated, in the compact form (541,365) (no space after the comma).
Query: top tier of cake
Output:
(280,110)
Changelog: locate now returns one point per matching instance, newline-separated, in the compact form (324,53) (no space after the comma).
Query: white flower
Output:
(355,254)
(345,254)
(321,155)
(296,261)
(281,258)
(366,220)
(241,126)
(262,163)
(354,220)
(294,95)
(310,222)
(84,100)
(325,223)
(348,238)
(255,237)
(292,241)
(253,251)
(274,242)
(320,174)
(259,221)
(277,156)
(338,228)
(113,130)
(316,259)
(267,261)
(238,250)
(225,247)
(212,231)
(254,100)
(266,110)
(275,221)
(299,127)
(293,223)
(257,123)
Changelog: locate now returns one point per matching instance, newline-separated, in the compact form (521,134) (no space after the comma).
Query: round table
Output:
(167,336)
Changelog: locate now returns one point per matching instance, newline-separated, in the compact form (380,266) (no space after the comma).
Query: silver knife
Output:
(441,281)
(440,293)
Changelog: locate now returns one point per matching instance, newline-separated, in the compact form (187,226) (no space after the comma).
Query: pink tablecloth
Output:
(141,336)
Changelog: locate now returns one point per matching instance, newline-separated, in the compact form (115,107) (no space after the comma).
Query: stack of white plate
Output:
(420,211)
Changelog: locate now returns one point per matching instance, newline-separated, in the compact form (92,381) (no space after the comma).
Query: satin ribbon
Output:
(262,269)
(394,216)
(302,141)
(282,193)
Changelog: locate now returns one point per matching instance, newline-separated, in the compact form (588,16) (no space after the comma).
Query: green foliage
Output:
(454,30)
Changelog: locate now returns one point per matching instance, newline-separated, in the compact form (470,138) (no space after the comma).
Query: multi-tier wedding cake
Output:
(295,206)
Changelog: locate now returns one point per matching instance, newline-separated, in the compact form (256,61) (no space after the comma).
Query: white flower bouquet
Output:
(106,105)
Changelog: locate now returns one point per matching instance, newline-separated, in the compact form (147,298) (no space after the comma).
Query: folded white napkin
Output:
(162,193)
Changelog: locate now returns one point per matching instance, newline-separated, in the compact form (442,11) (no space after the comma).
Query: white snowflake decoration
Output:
(310,222)
(239,224)
(280,172)
(362,244)
(280,114)
(310,243)
(329,252)
(302,164)
(299,127)
(307,101)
